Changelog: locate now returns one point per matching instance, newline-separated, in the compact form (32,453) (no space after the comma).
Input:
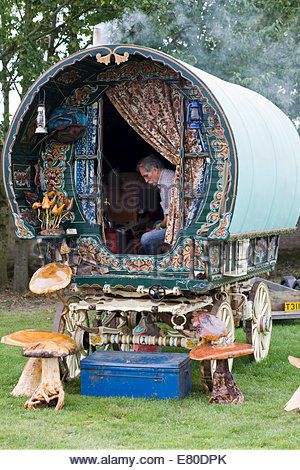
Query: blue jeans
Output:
(152,241)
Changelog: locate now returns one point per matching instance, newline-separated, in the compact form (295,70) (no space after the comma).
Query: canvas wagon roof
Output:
(264,144)
(268,153)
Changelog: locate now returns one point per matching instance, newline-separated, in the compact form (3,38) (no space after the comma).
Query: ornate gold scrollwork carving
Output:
(107,58)
(103,60)
(121,58)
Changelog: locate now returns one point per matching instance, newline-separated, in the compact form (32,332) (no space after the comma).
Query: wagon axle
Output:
(145,340)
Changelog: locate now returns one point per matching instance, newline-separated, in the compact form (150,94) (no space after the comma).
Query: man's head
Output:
(150,169)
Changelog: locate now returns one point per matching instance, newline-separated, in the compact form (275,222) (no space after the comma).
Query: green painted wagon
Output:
(236,189)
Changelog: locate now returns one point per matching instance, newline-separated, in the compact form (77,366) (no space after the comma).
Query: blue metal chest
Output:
(136,374)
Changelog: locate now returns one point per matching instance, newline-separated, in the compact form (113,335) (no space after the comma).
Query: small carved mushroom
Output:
(47,347)
(50,278)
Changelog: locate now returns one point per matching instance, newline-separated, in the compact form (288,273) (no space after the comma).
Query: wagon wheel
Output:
(258,330)
(67,322)
(222,310)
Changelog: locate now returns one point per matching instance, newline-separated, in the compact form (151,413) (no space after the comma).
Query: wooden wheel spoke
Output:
(260,332)
(264,309)
(263,297)
(254,335)
(229,338)
(262,342)
(265,341)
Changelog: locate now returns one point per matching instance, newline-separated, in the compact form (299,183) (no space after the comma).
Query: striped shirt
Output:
(165,184)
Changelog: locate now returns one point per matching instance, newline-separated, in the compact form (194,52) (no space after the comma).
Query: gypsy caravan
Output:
(70,161)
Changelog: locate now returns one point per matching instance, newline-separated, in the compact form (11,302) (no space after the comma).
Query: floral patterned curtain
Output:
(153,110)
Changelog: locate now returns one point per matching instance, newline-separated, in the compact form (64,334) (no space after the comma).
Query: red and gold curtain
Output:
(153,109)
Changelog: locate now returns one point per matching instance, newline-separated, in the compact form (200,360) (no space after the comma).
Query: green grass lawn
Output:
(122,423)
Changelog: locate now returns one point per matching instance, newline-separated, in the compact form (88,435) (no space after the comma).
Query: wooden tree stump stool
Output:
(41,375)
(225,389)
(294,403)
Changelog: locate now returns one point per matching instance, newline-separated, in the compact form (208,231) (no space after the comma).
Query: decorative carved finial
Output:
(107,58)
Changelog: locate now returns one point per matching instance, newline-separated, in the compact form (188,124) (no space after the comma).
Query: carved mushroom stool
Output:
(208,328)
(294,403)
(224,389)
(41,378)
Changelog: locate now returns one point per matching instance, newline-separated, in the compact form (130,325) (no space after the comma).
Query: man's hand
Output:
(162,224)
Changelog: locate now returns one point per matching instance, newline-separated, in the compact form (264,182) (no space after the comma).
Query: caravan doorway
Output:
(130,206)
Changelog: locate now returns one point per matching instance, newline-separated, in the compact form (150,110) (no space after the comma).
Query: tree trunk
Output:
(21,275)
(4,219)
(3,233)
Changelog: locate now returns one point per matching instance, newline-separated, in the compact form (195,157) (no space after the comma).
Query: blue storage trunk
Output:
(136,374)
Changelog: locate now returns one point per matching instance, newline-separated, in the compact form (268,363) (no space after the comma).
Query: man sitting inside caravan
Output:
(152,170)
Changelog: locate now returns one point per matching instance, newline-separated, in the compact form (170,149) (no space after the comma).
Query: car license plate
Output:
(291,306)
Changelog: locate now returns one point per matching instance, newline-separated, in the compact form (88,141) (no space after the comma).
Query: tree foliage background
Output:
(254,43)
(34,34)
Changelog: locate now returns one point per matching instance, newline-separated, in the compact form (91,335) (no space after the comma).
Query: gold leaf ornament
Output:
(107,58)
(103,60)
(121,58)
